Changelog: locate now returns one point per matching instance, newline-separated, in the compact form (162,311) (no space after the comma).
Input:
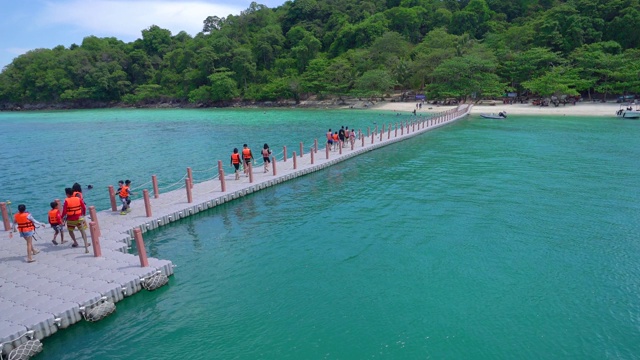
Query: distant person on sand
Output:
(235,162)
(72,211)
(247,155)
(55,220)
(265,157)
(26,225)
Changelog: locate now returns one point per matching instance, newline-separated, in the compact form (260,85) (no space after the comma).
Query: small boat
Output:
(500,115)
(627,112)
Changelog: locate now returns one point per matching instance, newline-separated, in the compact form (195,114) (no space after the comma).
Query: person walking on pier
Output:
(341,136)
(247,155)
(72,211)
(55,220)
(125,194)
(329,140)
(235,162)
(265,157)
(336,141)
(26,225)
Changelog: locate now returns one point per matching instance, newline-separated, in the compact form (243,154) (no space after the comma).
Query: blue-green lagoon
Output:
(484,239)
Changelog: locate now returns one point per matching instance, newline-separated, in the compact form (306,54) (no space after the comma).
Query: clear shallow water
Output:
(484,239)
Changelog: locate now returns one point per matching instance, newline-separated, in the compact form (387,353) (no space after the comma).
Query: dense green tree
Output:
(374,83)
(450,48)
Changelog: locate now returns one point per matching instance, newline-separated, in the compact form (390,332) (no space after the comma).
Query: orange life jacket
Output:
(74,207)
(235,158)
(24,224)
(77,194)
(335,137)
(246,153)
(124,191)
(53,217)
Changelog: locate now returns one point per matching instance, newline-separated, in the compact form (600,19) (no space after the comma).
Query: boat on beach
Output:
(627,112)
(500,115)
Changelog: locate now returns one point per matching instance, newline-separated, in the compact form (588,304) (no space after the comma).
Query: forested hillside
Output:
(334,48)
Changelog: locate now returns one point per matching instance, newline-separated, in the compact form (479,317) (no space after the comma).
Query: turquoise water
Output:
(483,239)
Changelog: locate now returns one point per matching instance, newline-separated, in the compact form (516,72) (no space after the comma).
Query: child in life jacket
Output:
(55,220)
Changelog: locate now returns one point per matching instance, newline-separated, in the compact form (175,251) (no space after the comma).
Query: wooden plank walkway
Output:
(37,299)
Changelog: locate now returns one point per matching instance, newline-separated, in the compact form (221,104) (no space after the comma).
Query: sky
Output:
(31,24)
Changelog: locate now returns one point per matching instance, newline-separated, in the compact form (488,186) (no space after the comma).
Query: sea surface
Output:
(484,239)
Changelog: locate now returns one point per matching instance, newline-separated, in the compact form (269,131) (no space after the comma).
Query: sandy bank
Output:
(580,109)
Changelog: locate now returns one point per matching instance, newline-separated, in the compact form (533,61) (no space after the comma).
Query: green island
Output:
(327,50)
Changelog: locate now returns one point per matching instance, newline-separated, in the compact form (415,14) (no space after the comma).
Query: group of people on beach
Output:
(340,137)
(72,215)
(245,159)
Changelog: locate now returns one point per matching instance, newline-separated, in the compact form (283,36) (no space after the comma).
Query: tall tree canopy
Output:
(445,48)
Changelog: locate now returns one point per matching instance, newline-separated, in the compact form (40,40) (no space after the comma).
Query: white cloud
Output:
(122,18)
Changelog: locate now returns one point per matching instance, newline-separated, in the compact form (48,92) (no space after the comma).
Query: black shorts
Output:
(237,166)
(247,161)
(266,159)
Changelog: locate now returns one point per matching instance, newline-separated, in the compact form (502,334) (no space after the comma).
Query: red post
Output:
(156,192)
(368,131)
(273,165)
(382,132)
(285,153)
(142,252)
(389,132)
(315,145)
(190,177)
(187,183)
(295,161)
(327,151)
(5,216)
(312,156)
(414,126)
(340,149)
(396,135)
(94,218)
(223,184)
(112,197)
(250,172)
(95,239)
(352,143)
(147,202)
(372,136)
(362,137)
(301,150)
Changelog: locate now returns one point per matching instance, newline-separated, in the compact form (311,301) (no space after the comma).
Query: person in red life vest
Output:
(55,220)
(124,192)
(26,225)
(235,162)
(72,211)
(247,155)
(265,157)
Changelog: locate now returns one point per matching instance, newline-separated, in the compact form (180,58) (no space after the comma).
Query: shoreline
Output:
(600,109)
(580,109)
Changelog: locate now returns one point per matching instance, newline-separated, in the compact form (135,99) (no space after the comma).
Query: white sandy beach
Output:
(580,109)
